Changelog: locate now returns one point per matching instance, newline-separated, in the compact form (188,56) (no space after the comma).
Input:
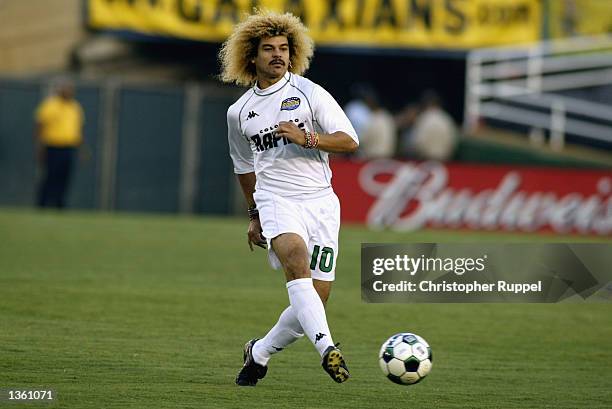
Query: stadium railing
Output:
(544,87)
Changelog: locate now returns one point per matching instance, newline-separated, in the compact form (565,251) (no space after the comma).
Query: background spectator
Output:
(357,109)
(379,136)
(58,133)
(434,134)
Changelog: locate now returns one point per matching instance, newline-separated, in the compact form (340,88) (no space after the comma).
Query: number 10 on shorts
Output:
(324,256)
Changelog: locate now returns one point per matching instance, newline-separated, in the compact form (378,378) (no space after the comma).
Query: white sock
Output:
(310,312)
(286,331)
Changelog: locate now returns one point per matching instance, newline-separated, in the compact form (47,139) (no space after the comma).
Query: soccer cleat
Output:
(251,371)
(334,365)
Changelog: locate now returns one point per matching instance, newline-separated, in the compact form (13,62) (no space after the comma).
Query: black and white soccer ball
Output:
(405,358)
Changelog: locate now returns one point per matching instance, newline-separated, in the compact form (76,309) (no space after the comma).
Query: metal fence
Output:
(147,147)
(549,87)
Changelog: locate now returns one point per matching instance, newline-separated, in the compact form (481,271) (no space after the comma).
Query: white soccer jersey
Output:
(281,166)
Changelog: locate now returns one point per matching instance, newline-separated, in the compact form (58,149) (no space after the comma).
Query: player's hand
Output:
(291,131)
(255,236)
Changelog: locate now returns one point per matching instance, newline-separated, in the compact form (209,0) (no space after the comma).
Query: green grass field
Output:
(135,311)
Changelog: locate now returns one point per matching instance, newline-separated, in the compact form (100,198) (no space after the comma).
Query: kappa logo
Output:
(290,104)
(319,337)
(252,115)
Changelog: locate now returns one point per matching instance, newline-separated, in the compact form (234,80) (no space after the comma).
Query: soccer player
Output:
(280,133)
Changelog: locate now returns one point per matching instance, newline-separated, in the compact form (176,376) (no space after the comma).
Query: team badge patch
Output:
(290,104)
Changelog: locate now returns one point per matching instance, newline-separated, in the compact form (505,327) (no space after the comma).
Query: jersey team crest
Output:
(290,104)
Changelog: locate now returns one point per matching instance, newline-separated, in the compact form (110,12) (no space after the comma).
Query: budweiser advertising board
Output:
(408,196)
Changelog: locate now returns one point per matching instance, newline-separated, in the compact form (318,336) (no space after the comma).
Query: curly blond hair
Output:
(241,46)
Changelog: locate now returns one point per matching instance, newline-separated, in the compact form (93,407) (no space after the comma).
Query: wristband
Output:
(253,212)
(311,140)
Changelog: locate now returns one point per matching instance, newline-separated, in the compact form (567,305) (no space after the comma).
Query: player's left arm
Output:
(337,142)
(338,135)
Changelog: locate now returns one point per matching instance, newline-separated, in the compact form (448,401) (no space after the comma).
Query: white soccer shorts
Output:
(315,218)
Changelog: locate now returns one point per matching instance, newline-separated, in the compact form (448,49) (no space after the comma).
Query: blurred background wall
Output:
(38,35)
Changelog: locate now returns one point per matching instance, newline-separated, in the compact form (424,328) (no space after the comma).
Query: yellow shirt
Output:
(61,122)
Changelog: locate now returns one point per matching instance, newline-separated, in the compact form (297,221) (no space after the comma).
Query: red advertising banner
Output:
(408,196)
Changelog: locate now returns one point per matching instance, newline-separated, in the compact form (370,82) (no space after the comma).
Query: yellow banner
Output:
(386,23)
(580,17)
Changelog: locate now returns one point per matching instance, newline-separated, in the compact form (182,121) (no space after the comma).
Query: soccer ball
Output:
(405,358)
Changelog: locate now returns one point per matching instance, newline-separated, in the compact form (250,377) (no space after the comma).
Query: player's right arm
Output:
(254,232)
(242,158)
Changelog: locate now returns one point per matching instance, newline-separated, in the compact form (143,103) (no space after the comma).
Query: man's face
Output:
(272,59)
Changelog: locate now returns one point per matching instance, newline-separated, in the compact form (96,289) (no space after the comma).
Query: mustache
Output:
(277,61)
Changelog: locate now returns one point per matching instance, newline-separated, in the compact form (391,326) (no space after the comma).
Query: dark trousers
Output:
(59,163)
